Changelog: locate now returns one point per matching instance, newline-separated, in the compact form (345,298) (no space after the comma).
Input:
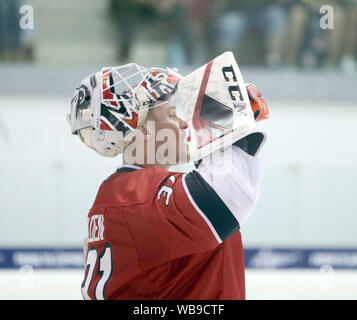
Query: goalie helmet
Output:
(109,105)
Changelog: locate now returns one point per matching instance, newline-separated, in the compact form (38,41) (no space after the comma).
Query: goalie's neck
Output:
(144,165)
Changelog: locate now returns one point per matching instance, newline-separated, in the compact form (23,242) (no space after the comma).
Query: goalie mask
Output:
(109,105)
(217,108)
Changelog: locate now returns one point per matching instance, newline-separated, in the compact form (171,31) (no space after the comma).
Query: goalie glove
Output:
(253,142)
(257,103)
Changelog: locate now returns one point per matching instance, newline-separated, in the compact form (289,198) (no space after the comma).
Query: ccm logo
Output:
(234,90)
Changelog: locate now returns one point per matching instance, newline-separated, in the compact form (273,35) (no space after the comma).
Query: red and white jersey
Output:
(155,234)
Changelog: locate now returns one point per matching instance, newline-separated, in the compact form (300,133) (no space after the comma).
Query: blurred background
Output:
(301,242)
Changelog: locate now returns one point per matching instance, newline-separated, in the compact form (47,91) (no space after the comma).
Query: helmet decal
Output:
(82,99)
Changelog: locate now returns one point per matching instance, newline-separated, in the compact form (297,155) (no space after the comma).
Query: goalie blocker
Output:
(219,110)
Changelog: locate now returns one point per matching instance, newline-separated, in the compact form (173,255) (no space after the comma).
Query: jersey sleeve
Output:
(211,203)
(236,178)
(197,217)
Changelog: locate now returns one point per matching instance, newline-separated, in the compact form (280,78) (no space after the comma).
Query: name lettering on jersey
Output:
(167,191)
(96,228)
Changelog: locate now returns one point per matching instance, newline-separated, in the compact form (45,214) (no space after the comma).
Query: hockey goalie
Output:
(160,234)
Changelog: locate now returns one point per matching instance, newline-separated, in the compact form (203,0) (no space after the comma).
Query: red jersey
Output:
(155,234)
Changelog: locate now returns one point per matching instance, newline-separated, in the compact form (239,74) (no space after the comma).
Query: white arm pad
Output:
(236,180)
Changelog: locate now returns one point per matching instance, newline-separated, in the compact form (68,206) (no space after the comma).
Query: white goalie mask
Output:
(217,108)
(109,105)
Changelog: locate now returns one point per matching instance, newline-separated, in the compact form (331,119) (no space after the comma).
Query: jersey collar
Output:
(128,168)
